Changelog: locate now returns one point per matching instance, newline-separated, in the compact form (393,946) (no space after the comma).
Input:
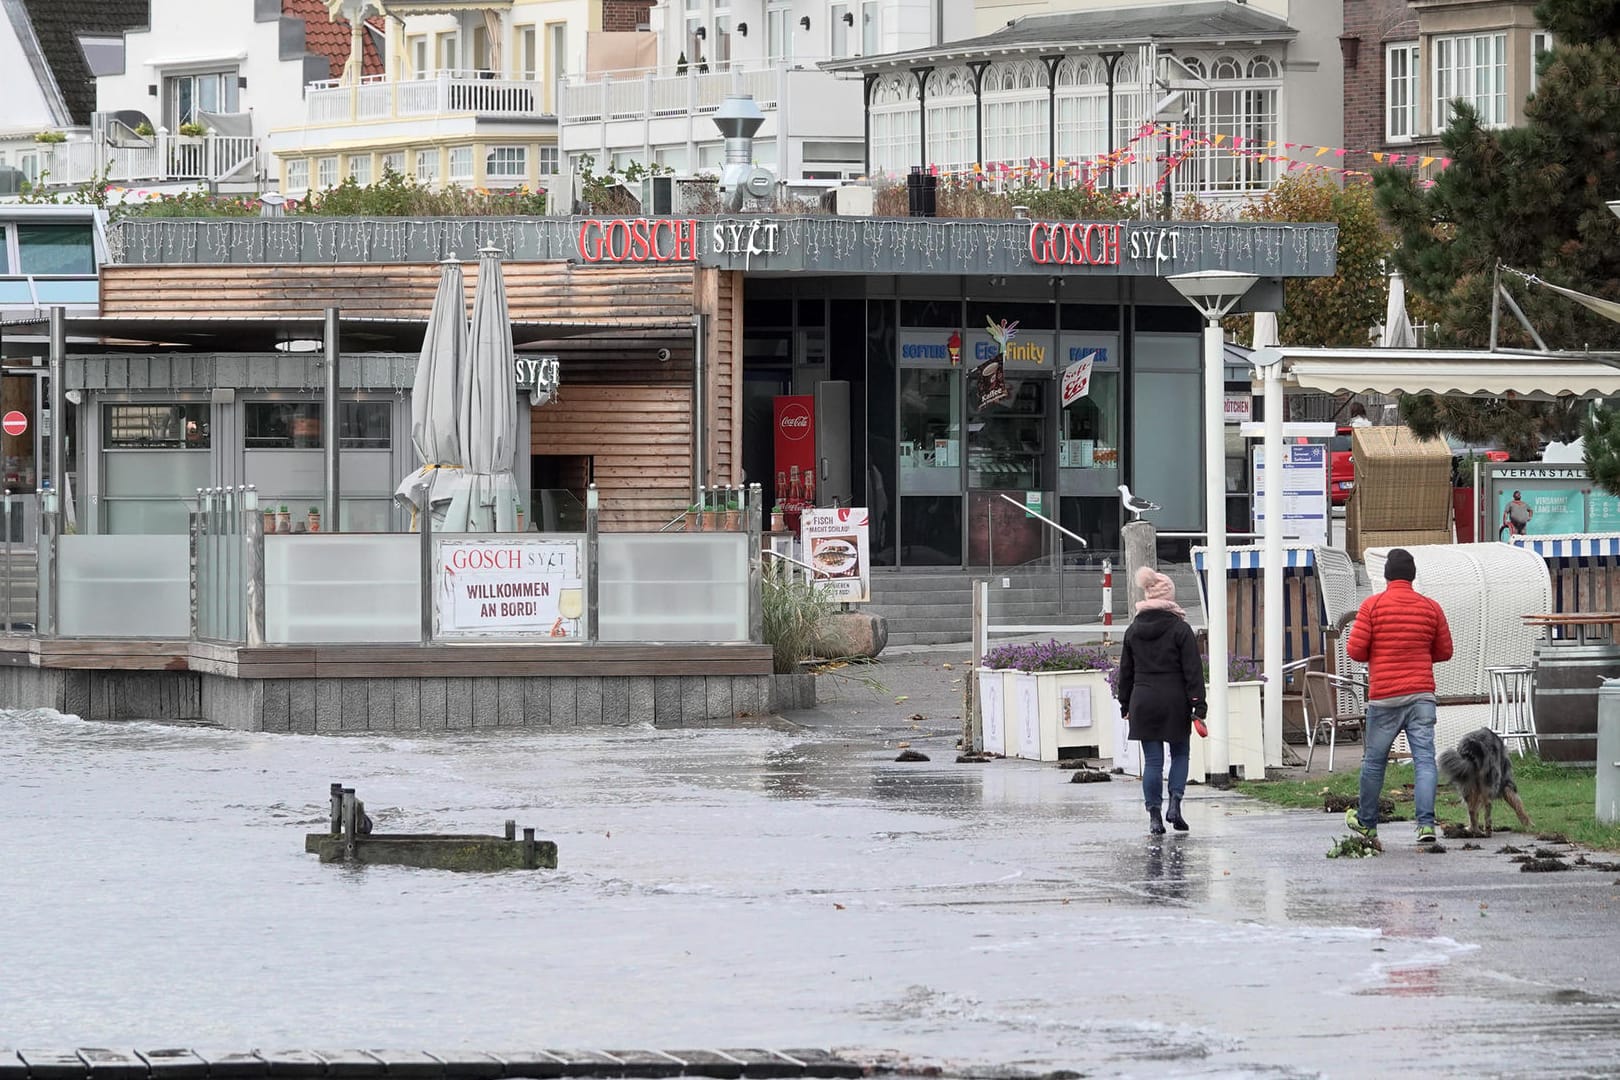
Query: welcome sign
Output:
(522,586)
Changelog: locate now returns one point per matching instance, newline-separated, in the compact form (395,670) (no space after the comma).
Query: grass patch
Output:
(1559,799)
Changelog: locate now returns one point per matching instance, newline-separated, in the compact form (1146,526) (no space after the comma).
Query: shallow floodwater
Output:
(750,888)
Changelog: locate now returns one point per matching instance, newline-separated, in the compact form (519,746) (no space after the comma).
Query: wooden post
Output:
(1141,542)
(511,829)
(337,809)
(529,862)
(972,728)
(350,822)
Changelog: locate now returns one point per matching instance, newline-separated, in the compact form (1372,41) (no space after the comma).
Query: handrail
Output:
(814,571)
(1037,514)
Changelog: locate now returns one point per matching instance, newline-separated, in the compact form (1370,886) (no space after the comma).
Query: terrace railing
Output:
(378,97)
(636,94)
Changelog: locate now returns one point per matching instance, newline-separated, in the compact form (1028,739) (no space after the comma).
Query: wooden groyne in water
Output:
(351,839)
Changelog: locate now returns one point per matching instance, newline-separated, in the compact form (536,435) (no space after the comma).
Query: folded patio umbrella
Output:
(436,399)
(486,497)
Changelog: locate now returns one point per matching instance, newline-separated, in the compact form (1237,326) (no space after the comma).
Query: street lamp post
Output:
(1215,293)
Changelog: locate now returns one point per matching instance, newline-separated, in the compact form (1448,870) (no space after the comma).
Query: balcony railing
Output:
(152,159)
(632,95)
(377,97)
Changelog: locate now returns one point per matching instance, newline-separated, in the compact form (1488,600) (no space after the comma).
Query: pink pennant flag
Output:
(1445,162)
(1340,152)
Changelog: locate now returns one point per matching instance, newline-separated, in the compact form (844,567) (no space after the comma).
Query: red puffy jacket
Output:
(1400,635)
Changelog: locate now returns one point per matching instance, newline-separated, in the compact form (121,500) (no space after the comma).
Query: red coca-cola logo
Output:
(795,422)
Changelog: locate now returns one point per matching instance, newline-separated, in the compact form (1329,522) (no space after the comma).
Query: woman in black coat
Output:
(1161,688)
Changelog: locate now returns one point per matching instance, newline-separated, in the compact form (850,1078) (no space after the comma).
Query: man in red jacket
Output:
(1400,635)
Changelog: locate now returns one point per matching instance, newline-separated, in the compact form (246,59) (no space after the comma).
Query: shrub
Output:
(193,130)
(1238,669)
(795,615)
(50,137)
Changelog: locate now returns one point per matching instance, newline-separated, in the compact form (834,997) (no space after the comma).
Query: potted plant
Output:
(694,518)
(733,510)
(269,519)
(778,518)
(193,131)
(144,129)
(51,137)
(283,519)
(712,511)
(314,520)
(1056,695)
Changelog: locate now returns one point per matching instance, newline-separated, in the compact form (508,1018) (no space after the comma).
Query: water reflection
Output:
(1166,877)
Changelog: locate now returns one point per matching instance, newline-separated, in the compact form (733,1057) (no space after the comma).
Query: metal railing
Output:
(163,156)
(443,92)
(626,95)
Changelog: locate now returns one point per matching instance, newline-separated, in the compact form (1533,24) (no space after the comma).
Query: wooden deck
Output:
(384,661)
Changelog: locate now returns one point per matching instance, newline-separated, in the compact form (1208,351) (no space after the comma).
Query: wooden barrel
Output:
(1567,678)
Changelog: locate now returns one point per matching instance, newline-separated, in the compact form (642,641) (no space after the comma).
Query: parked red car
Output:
(1341,467)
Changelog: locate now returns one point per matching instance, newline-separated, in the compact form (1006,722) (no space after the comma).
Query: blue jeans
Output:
(1153,771)
(1383,724)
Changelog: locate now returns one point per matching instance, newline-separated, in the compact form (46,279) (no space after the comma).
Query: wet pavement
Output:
(768,888)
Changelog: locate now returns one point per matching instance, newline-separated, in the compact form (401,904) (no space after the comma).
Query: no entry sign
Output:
(14,423)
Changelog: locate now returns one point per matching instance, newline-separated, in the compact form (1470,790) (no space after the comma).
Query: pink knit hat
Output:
(1155,585)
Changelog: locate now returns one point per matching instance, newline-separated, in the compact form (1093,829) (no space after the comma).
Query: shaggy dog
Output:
(1480,770)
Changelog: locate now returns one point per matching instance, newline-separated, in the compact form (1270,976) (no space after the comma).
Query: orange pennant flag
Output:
(1427,162)
(1320,150)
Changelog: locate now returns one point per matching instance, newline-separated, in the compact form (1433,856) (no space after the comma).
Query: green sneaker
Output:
(1426,834)
(1353,823)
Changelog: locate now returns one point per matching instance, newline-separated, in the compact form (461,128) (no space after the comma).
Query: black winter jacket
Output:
(1161,677)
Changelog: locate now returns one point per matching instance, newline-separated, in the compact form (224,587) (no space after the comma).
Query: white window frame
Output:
(1462,66)
(1541,41)
(358,166)
(447,51)
(395,160)
(1403,74)
(225,87)
(427,165)
(549,161)
(838,32)
(326,172)
(528,52)
(461,164)
(297,174)
(416,49)
(778,31)
(871,28)
(506,162)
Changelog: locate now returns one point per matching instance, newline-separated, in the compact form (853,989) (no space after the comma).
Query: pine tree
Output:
(1534,198)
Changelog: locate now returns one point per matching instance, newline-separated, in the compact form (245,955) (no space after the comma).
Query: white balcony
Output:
(635,95)
(378,98)
(160,158)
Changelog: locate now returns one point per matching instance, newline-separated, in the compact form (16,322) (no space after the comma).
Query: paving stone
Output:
(537,702)
(410,1064)
(825,1063)
(766,1063)
(458,699)
(588,703)
(407,705)
(380,705)
(328,705)
(616,700)
(472,1065)
(530,1064)
(236,1066)
(352,702)
(433,704)
(174,1064)
(718,692)
(712,1063)
(640,709)
(564,701)
(651,1063)
(509,700)
(294,1064)
(588,1063)
(486,710)
(54,1065)
(694,701)
(351,1064)
(113,1065)
(301,707)
(667,700)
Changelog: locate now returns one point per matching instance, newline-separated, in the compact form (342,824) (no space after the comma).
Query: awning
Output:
(1476,373)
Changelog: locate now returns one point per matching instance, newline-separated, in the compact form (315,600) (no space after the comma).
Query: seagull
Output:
(1135,503)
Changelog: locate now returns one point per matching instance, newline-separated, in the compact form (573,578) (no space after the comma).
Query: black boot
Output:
(1173,815)
(1156,826)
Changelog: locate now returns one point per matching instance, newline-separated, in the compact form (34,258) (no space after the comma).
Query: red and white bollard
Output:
(1107,599)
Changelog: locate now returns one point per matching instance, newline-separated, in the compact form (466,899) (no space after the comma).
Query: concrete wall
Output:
(341,706)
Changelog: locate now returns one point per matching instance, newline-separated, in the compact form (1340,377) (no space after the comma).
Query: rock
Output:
(853,633)
(1542,866)
(1090,776)
(911,755)
(972,759)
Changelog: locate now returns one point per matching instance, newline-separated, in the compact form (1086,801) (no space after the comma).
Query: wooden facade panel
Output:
(639,441)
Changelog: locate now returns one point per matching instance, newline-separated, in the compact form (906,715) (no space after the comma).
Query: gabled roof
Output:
(56,26)
(1164,24)
(330,39)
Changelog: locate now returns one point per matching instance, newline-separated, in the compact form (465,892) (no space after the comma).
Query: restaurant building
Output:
(933,353)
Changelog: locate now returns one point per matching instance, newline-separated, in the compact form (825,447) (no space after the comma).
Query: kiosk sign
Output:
(523,586)
(835,543)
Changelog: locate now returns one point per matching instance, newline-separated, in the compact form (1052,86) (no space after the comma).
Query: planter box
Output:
(992,702)
(1245,733)
(1048,712)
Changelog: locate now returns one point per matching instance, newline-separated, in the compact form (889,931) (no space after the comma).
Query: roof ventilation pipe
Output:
(738,118)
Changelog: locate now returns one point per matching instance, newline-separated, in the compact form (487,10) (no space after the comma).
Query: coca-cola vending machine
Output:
(812,448)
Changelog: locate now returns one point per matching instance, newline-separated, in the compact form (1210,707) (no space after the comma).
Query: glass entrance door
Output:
(1008,450)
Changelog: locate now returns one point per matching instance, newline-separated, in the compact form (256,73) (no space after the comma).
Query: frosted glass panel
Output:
(342,587)
(672,587)
(136,473)
(1169,447)
(145,516)
(124,586)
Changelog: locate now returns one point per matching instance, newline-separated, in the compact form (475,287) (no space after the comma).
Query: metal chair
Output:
(1333,703)
(1513,716)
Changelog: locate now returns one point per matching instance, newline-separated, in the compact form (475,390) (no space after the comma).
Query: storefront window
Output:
(296,425)
(930,430)
(1007,441)
(155,427)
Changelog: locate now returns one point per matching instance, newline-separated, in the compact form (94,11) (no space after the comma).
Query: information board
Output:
(1304,492)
